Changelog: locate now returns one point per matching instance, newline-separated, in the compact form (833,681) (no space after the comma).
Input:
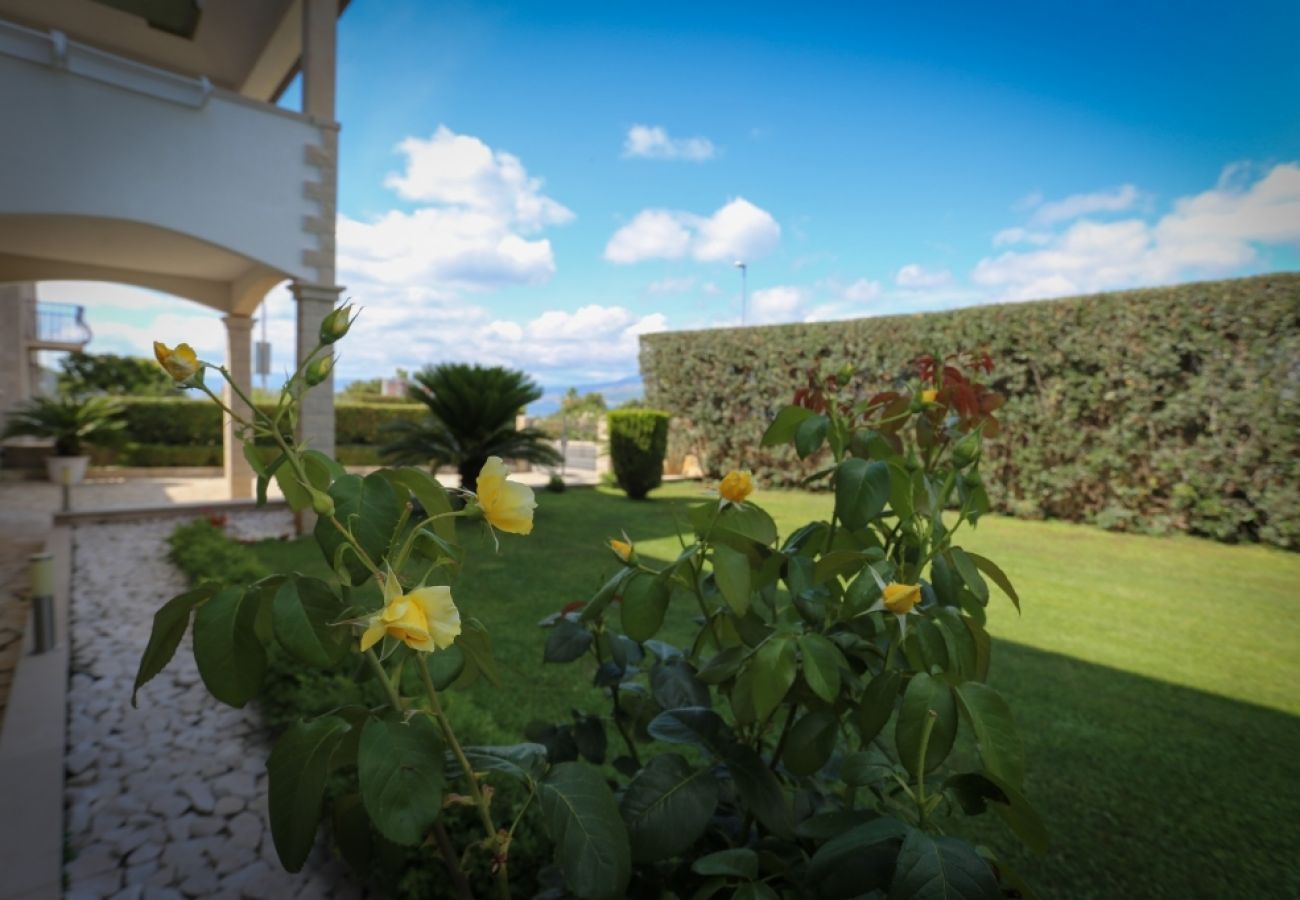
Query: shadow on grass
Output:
(1150,789)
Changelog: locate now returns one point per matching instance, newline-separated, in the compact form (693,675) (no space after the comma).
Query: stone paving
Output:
(168,800)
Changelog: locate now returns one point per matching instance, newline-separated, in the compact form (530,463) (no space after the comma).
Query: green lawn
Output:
(1154,681)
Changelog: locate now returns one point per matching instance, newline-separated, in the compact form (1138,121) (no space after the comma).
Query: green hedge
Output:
(1157,410)
(638,439)
(164,455)
(189,423)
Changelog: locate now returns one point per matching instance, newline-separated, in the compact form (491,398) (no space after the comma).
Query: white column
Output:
(239,474)
(316,419)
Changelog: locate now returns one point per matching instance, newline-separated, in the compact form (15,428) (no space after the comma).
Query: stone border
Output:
(32,747)
(177,510)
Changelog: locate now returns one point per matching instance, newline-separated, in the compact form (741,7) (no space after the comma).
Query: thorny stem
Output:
(475,792)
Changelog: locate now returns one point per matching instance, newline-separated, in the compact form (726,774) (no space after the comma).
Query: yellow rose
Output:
(426,619)
(736,486)
(507,505)
(181,363)
(900,598)
(929,396)
(622,549)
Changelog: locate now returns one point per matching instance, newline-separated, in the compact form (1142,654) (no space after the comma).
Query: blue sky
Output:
(537,184)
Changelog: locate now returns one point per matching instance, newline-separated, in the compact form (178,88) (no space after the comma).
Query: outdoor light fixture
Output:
(43,636)
(744,271)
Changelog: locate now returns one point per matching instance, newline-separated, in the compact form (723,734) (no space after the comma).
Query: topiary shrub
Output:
(638,440)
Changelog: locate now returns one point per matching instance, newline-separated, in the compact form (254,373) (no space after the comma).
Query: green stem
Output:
(785,733)
(475,792)
(618,718)
(393,699)
(931,717)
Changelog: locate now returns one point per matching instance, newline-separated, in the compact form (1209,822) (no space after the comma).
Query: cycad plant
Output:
(471,417)
(72,422)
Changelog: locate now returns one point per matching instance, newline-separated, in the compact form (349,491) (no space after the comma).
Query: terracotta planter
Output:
(67,469)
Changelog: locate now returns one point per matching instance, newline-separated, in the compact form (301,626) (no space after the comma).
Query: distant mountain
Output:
(614,392)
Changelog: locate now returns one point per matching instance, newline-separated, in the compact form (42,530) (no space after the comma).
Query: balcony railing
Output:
(60,326)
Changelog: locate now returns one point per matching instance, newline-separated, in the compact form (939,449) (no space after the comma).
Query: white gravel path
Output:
(168,800)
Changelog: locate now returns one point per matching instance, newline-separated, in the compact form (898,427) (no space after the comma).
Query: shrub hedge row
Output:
(1158,410)
(182,422)
(164,455)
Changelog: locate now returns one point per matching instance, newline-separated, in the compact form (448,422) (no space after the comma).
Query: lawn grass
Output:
(1154,681)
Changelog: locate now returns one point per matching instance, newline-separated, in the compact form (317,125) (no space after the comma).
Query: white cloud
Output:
(1020,236)
(653,142)
(459,170)
(914,276)
(1213,233)
(862,291)
(476,230)
(738,230)
(1110,201)
(781,303)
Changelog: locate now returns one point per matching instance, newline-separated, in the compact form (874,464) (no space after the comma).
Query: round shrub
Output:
(638,440)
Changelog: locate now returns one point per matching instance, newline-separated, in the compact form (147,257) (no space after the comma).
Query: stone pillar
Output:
(239,474)
(18,312)
(319,23)
(316,418)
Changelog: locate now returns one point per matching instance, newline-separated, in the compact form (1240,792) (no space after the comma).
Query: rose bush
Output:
(816,736)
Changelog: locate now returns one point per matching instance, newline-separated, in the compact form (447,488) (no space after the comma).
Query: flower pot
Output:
(67,469)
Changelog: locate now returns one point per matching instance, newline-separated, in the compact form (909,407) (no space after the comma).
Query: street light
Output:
(744,287)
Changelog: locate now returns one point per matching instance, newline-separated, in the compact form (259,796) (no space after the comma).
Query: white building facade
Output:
(142,145)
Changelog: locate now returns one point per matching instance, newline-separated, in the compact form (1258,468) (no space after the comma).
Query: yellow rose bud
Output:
(736,486)
(900,598)
(507,505)
(180,364)
(623,550)
(319,370)
(929,396)
(336,324)
(426,619)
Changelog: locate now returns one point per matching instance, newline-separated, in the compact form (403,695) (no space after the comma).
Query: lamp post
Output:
(744,287)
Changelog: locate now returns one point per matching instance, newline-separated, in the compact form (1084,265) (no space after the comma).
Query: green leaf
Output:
(857,861)
(755,890)
(758,789)
(924,694)
(400,769)
(865,767)
(254,460)
(445,666)
(983,646)
(169,625)
(925,647)
(941,868)
(297,496)
(667,806)
(900,492)
(645,601)
(810,434)
(431,495)
(370,509)
(977,790)
(723,665)
(321,470)
(738,862)
(476,644)
(962,650)
(810,743)
(990,568)
(302,614)
(861,491)
(731,570)
(231,659)
(674,684)
(877,704)
(999,743)
(597,604)
(591,841)
(296,771)
(567,641)
(352,833)
(945,581)
(774,669)
(523,762)
(969,573)
(690,725)
(783,427)
(821,665)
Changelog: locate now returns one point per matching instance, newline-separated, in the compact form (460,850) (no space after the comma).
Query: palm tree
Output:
(471,417)
(72,422)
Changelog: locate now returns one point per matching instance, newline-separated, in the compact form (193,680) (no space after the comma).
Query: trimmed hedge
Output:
(188,423)
(638,439)
(164,455)
(1156,410)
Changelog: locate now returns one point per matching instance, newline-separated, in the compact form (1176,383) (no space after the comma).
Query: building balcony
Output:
(59,326)
(120,171)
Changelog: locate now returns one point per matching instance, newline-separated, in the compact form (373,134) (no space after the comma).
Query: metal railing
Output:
(62,324)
